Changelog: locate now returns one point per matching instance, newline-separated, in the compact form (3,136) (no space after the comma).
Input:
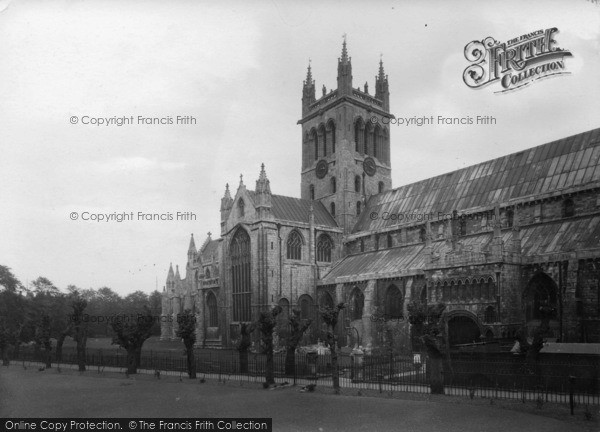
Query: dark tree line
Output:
(43,315)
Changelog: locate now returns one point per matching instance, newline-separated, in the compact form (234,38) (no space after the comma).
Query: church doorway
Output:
(462,329)
(541,292)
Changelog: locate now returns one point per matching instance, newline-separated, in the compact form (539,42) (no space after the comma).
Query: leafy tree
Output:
(79,327)
(186,330)
(135,303)
(104,305)
(266,324)
(8,281)
(130,334)
(297,329)
(244,345)
(42,339)
(155,304)
(330,318)
(43,285)
(13,308)
(427,329)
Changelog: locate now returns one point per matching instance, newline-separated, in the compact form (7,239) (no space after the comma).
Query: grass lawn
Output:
(30,393)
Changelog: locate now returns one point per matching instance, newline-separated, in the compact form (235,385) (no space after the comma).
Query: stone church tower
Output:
(345,143)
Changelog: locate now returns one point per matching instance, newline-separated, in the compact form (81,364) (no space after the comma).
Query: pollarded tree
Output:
(42,338)
(244,345)
(427,328)
(79,328)
(266,323)
(330,318)
(298,327)
(186,330)
(131,334)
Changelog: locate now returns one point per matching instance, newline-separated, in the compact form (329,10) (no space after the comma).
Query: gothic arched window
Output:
(207,273)
(390,241)
(324,247)
(240,273)
(357,184)
(462,226)
(380,187)
(332,208)
(376,141)
(490,315)
(323,136)
(294,246)
(357,136)
(315,140)
(510,218)
(306,306)
(357,302)
(212,310)
(331,129)
(326,300)
(241,208)
(568,208)
(367,139)
(312,192)
(394,302)
(333,185)
(358,206)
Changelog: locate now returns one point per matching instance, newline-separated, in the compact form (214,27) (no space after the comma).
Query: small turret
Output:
(170,279)
(382,90)
(191,251)
(308,91)
(262,195)
(226,204)
(344,78)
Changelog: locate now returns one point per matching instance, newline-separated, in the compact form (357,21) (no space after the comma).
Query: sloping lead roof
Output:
(536,241)
(561,164)
(561,236)
(210,249)
(297,210)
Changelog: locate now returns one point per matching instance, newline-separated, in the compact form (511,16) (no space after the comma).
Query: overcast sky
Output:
(237,67)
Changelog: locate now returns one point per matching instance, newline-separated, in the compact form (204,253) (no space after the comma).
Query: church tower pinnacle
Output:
(344,78)
(382,91)
(308,90)
(262,194)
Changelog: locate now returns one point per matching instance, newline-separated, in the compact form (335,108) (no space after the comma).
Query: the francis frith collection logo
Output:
(516,63)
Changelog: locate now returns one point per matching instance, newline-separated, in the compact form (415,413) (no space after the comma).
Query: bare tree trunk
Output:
(269,373)
(59,346)
(48,358)
(132,360)
(334,367)
(81,354)
(290,361)
(191,361)
(244,361)
(4,354)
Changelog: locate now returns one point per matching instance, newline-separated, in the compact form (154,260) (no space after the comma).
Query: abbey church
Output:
(493,241)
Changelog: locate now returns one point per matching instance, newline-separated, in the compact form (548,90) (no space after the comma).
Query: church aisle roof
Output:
(574,235)
(298,210)
(537,242)
(561,164)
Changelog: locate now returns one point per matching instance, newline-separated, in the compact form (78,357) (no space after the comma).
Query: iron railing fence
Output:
(499,377)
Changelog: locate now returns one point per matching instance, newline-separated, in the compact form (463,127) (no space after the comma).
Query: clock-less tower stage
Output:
(345,143)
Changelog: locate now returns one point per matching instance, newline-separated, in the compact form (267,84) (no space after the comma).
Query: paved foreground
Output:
(30,393)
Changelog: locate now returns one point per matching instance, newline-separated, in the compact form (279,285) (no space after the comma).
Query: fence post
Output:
(571,389)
